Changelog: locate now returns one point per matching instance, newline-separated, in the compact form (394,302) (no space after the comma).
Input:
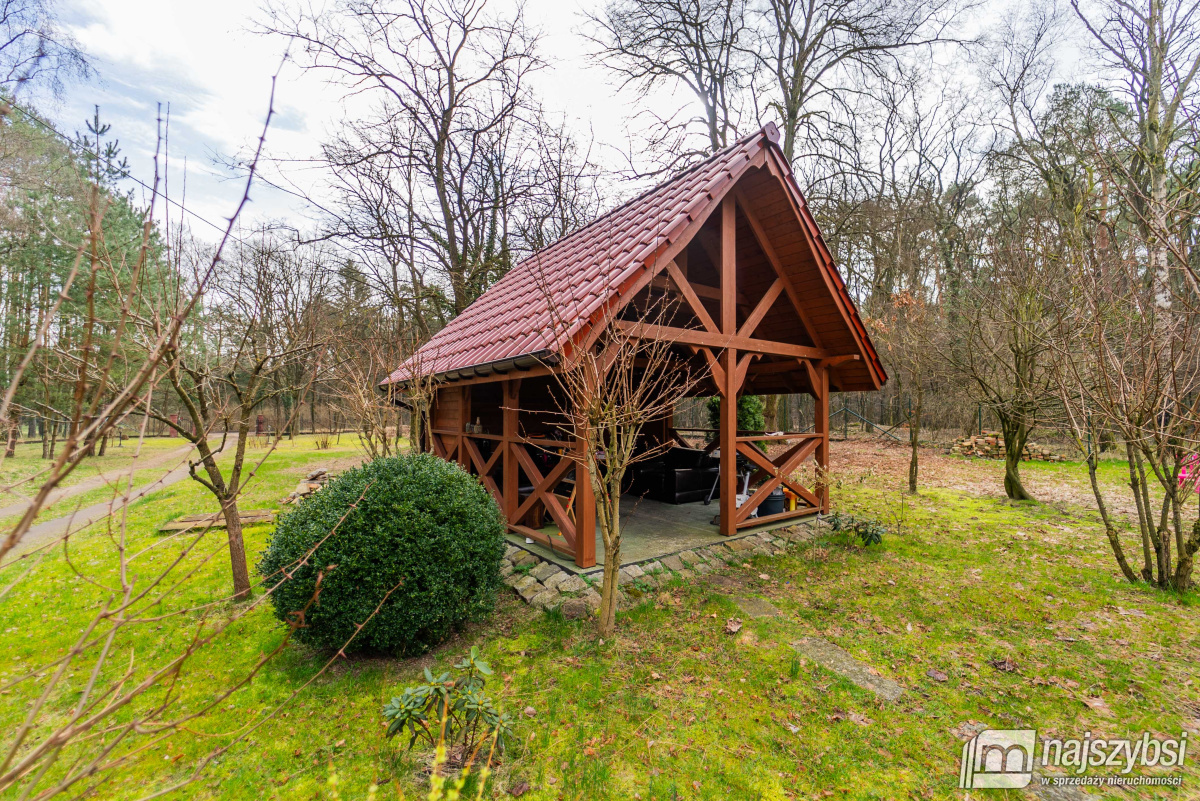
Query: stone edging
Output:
(547,586)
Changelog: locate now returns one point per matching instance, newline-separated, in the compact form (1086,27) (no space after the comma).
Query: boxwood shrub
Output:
(424,529)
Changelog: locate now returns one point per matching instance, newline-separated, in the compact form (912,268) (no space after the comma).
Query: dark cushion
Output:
(681,475)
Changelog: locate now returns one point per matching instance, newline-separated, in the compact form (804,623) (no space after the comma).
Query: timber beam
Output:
(690,336)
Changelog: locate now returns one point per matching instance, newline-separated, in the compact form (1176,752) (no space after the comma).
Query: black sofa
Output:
(680,475)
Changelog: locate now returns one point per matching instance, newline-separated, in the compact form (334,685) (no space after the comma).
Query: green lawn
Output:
(673,707)
(28,462)
(102,494)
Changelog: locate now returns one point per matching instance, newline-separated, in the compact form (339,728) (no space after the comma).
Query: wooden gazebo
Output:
(731,241)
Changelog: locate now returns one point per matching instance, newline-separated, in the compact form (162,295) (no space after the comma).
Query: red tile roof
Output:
(582,272)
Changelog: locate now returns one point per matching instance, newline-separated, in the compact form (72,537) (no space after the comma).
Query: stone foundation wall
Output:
(547,586)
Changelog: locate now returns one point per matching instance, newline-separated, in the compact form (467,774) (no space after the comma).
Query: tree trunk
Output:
(90,442)
(771,413)
(610,530)
(1015,434)
(1013,487)
(226,493)
(1183,573)
(237,551)
(1155,530)
(14,435)
(1164,544)
(608,595)
(1144,522)
(914,439)
(1110,531)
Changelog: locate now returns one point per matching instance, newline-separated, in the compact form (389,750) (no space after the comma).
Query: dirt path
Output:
(99,480)
(41,533)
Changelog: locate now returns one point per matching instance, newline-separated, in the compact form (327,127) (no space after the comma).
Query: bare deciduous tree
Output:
(697,44)
(448,86)
(251,350)
(34,48)
(1000,341)
(1115,166)
(612,386)
(818,55)
(1154,53)
(364,358)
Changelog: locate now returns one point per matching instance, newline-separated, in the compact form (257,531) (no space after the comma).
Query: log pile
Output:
(310,484)
(189,522)
(990,445)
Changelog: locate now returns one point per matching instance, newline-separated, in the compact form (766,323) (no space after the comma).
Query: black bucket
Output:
(773,505)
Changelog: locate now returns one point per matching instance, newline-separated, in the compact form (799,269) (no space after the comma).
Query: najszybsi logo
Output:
(998,759)
(1005,758)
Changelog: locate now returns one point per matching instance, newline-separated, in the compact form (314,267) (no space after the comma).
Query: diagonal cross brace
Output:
(542,490)
(778,474)
(484,469)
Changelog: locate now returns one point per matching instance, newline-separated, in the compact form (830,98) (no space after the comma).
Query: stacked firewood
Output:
(310,484)
(990,445)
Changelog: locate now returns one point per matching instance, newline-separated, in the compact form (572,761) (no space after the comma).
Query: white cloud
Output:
(201,60)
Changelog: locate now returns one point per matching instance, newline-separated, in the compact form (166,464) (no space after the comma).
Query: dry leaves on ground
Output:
(1099,705)
(1005,665)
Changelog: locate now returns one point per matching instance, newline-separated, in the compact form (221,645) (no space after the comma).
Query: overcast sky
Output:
(200,61)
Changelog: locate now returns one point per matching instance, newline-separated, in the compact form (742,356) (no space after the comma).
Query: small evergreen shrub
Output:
(416,526)
(869,531)
(750,413)
(452,713)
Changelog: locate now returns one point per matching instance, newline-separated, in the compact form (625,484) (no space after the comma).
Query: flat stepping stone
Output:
(572,584)
(757,607)
(724,582)
(836,660)
(672,562)
(544,571)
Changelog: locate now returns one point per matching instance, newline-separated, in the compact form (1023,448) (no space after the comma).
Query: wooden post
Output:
(728,435)
(464,417)
(509,489)
(585,514)
(821,426)
(729,392)
(431,413)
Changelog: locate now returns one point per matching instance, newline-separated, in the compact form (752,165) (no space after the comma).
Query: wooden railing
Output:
(771,472)
(540,497)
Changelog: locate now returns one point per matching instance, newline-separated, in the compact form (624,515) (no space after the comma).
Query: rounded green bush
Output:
(416,526)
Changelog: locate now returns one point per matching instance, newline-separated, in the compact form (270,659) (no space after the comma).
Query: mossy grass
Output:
(28,460)
(672,706)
